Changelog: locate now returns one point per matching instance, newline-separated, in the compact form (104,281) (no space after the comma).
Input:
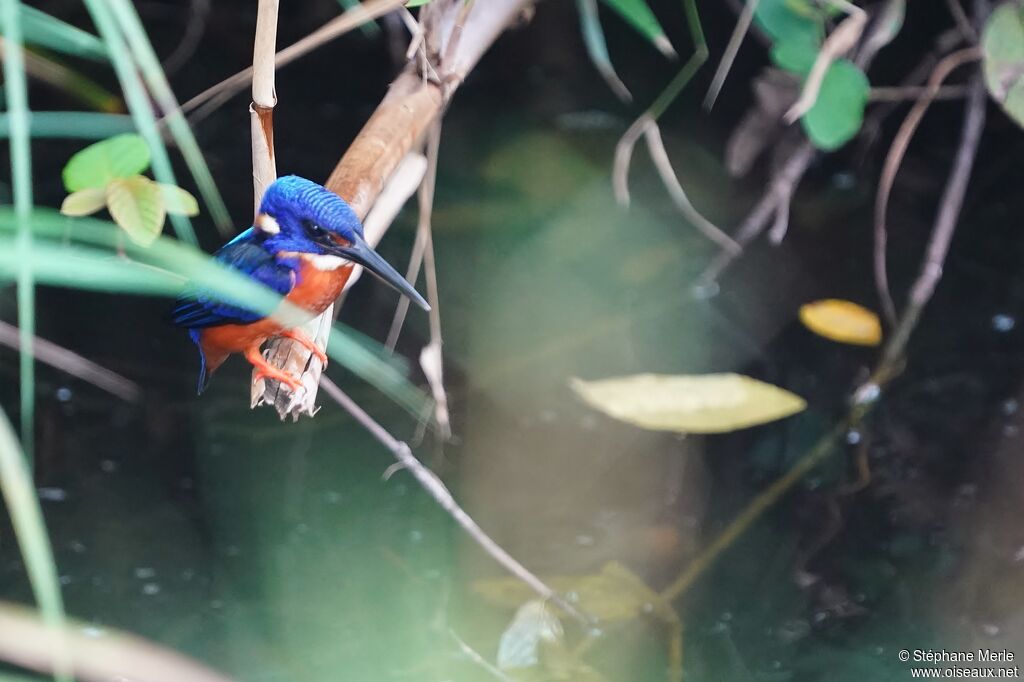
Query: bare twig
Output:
(729,55)
(843,39)
(779,192)
(93,654)
(963,24)
(431,358)
(195,27)
(892,164)
(436,488)
(474,656)
(945,223)
(353,18)
(74,364)
(902,93)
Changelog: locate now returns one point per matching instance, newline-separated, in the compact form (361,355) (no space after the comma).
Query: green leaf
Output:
(84,125)
(416,3)
(84,202)
(121,156)
(640,17)
(178,201)
(707,403)
(1002,44)
(137,205)
(838,112)
(795,56)
(787,21)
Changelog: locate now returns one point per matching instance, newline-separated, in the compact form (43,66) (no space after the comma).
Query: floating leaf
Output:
(178,201)
(708,403)
(84,202)
(640,17)
(842,321)
(121,156)
(1002,44)
(838,112)
(136,204)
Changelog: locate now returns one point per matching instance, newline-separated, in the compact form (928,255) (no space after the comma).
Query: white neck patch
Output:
(266,223)
(326,263)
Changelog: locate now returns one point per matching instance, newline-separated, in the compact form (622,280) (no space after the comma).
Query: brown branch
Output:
(433,485)
(399,124)
(894,159)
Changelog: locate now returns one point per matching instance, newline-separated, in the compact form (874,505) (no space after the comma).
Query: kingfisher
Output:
(303,244)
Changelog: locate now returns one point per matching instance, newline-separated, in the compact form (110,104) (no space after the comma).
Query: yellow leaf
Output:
(84,202)
(842,321)
(706,403)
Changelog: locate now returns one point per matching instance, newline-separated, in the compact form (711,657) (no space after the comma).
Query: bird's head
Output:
(299,216)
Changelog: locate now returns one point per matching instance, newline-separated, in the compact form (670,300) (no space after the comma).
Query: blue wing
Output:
(196,308)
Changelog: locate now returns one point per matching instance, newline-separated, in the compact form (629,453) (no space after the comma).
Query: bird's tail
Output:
(209,361)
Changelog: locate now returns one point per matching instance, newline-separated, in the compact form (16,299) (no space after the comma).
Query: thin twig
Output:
(843,39)
(353,18)
(892,165)
(74,364)
(963,24)
(729,56)
(945,223)
(431,357)
(474,656)
(902,93)
(779,192)
(436,489)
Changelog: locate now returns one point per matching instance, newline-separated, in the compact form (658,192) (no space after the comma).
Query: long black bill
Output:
(360,252)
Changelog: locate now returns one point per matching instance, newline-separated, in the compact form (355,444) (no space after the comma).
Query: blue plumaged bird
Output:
(303,245)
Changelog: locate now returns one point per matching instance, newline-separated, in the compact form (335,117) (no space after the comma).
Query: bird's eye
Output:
(313,228)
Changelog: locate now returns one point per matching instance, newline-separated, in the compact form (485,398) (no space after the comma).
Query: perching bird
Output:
(302,245)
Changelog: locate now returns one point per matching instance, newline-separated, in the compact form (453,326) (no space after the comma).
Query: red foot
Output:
(300,337)
(264,370)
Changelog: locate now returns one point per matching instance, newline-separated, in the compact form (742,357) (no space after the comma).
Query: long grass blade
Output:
(45,30)
(138,104)
(16,94)
(80,125)
(29,528)
(152,72)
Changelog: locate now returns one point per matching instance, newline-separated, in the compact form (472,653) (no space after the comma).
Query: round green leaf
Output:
(1002,44)
(838,112)
(136,204)
(177,200)
(795,56)
(121,156)
(84,202)
(788,21)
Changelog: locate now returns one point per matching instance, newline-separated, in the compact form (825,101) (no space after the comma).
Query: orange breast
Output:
(314,290)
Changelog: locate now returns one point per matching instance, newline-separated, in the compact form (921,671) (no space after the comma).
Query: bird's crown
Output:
(297,209)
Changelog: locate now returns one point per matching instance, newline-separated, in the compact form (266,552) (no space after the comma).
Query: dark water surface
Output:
(277,552)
